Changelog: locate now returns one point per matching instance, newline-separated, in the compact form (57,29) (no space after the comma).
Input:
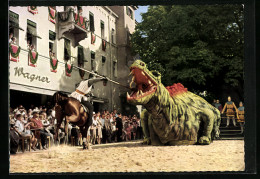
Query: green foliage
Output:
(199,46)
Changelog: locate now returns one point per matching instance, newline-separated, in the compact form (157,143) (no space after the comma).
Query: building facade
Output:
(52,42)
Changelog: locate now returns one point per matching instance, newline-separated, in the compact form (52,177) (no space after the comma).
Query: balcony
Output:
(71,22)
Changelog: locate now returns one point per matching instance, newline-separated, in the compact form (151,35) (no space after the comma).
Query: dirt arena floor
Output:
(224,155)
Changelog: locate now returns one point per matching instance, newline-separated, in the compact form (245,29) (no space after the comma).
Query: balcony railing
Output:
(71,22)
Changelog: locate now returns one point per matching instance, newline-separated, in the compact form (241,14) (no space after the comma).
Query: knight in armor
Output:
(85,87)
(231,110)
(240,116)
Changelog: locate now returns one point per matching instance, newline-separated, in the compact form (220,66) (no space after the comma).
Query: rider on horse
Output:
(84,88)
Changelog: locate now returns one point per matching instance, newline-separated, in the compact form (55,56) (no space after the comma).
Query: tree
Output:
(200,46)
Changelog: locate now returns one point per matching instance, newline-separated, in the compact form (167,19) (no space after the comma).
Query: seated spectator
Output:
(23,130)
(46,124)
(37,126)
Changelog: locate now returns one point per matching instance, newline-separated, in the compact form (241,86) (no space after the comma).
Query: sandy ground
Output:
(225,155)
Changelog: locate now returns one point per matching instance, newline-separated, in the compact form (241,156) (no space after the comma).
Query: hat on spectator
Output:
(21,107)
(18,112)
(36,110)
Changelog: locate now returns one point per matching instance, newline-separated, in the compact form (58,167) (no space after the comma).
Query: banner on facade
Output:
(32,58)
(52,15)
(33,9)
(14,51)
(53,64)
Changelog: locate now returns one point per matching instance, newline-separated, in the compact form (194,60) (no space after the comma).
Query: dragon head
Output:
(146,83)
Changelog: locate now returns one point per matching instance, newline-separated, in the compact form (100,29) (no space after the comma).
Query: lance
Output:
(93,73)
(84,70)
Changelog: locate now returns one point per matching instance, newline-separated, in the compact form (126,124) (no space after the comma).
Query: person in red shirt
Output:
(37,126)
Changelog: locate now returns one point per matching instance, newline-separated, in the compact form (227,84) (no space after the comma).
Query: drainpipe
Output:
(111,61)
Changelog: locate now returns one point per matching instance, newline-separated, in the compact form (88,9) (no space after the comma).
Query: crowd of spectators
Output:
(110,127)
(39,123)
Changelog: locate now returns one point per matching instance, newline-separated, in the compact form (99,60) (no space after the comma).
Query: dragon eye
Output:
(142,64)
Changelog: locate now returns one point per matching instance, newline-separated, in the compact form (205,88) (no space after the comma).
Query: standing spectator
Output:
(240,116)
(99,130)
(103,118)
(128,131)
(108,129)
(139,129)
(115,113)
(13,40)
(93,130)
(119,127)
(231,109)
(218,105)
(11,35)
(214,102)
(113,127)
(134,129)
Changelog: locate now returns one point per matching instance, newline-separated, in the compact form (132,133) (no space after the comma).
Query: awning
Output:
(32,89)
(32,30)
(15,25)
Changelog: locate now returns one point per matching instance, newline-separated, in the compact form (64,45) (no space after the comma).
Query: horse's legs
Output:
(59,118)
(84,131)
(66,131)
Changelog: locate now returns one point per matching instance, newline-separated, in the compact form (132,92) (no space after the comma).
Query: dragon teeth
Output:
(128,96)
(133,79)
(130,73)
(141,92)
(143,73)
(131,84)
(149,82)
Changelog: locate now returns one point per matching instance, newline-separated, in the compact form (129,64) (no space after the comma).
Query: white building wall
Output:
(59,81)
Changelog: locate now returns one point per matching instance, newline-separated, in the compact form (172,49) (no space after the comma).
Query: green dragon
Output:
(172,115)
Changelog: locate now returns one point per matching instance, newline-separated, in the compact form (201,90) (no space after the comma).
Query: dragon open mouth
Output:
(141,84)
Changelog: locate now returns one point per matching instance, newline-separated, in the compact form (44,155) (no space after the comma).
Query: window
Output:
(113,36)
(102,25)
(129,12)
(14,27)
(115,68)
(31,35)
(103,60)
(67,50)
(80,55)
(91,22)
(93,65)
(103,65)
(81,61)
(52,43)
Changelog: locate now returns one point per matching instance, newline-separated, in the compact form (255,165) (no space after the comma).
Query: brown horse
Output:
(74,113)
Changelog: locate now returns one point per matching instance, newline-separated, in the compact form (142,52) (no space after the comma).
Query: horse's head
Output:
(58,98)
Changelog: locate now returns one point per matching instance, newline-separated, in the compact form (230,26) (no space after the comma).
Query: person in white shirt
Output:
(84,88)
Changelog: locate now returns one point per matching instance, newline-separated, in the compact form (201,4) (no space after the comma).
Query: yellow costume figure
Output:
(230,111)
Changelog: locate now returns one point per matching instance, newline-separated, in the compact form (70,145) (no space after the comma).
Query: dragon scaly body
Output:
(173,115)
